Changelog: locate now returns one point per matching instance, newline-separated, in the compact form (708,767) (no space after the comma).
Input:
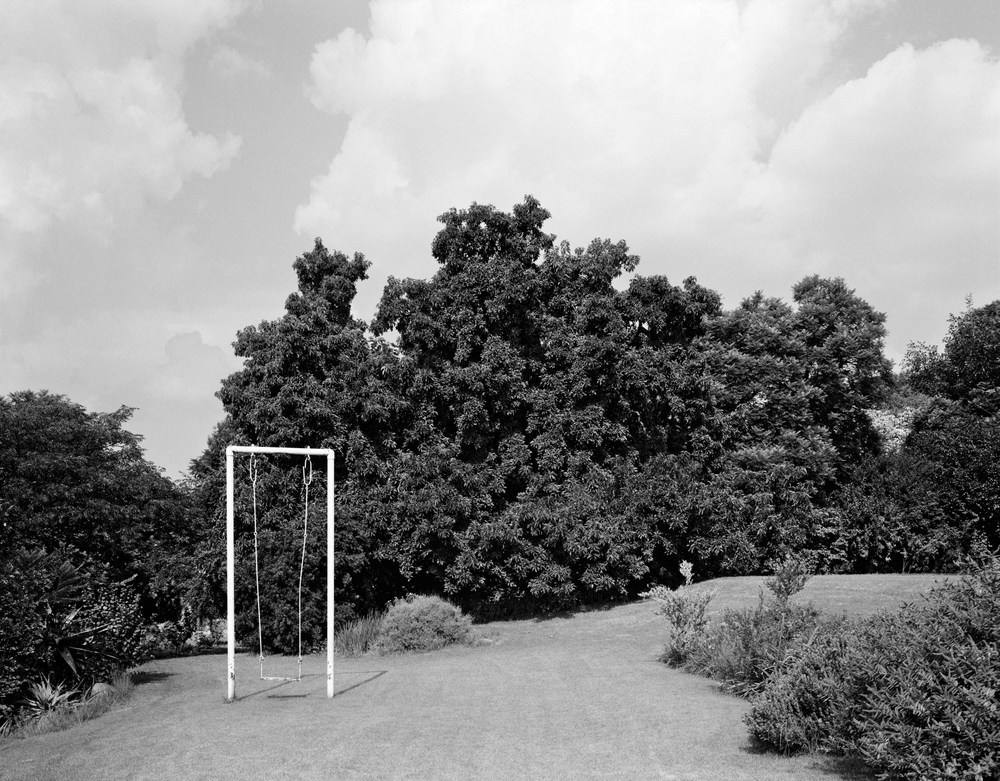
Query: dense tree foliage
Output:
(523,431)
(93,543)
(535,434)
(78,481)
(968,370)
(932,494)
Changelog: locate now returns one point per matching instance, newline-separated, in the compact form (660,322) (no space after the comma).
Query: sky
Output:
(163,163)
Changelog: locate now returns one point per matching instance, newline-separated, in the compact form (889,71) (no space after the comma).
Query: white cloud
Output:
(193,371)
(896,176)
(91,120)
(717,137)
(619,117)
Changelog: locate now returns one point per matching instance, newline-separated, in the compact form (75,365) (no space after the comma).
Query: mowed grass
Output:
(854,595)
(577,696)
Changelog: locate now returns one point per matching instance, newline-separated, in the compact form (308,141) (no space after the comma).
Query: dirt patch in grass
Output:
(581,696)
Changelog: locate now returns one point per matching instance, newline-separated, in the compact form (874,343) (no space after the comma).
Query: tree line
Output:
(524,432)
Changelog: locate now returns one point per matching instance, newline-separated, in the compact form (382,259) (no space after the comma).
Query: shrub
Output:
(51,707)
(62,623)
(684,609)
(422,623)
(930,709)
(790,576)
(807,705)
(117,643)
(913,693)
(749,646)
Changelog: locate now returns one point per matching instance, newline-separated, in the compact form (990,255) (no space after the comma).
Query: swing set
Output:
(231,556)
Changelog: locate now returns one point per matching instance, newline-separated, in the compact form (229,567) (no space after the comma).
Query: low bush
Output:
(912,693)
(808,704)
(422,623)
(684,610)
(930,706)
(50,707)
(748,646)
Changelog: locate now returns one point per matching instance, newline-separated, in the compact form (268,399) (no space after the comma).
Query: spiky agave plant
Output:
(46,697)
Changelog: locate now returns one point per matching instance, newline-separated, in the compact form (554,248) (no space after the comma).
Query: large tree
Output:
(311,378)
(535,435)
(78,480)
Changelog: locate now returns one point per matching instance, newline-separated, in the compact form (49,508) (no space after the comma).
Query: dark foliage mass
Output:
(523,432)
(531,428)
(93,545)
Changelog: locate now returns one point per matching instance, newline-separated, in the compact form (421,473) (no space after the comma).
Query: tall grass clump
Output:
(422,623)
(684,610)
(358,637)
(913,693)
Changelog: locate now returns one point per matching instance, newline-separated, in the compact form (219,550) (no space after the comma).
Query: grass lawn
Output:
(574,697)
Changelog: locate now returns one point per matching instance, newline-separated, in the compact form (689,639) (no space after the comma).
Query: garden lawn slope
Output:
(580,696)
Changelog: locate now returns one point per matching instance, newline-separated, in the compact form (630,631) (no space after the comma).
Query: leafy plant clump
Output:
(748,646)
(422,623)
(912,693)
(49,706)
(684,609)
(62,625)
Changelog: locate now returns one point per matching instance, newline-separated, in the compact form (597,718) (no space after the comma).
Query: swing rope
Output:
(306,480)
(254,473)
(307,475)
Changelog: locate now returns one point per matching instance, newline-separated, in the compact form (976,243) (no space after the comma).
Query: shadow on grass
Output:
(373,673)
(277,686)
(839,767)
(847,768)
(140,677)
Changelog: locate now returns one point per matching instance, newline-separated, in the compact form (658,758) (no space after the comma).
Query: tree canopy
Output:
(521,430)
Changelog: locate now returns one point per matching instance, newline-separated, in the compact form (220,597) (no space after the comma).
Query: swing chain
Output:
(254,474)
(307,475)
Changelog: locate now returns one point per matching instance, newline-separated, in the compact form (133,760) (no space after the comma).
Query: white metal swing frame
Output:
(231,555)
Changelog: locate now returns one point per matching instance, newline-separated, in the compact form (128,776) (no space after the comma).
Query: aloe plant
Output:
(44,697)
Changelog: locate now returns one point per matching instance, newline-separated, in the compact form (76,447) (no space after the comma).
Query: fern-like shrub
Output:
(809,702)
(422,623)
(748,646)
(684,610)
(913,693)
(931,708)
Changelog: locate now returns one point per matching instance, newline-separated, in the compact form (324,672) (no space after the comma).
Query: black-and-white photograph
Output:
(500,389)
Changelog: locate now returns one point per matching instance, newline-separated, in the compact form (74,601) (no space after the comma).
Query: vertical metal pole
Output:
(330,524)
(230,578)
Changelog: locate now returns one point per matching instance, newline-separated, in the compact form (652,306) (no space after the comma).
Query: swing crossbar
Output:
(292,451)
(231,450)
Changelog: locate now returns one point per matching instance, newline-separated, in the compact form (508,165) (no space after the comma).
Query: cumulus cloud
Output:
(719,138)
(896,177)
(91,120)
(638,120)
(193,371)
